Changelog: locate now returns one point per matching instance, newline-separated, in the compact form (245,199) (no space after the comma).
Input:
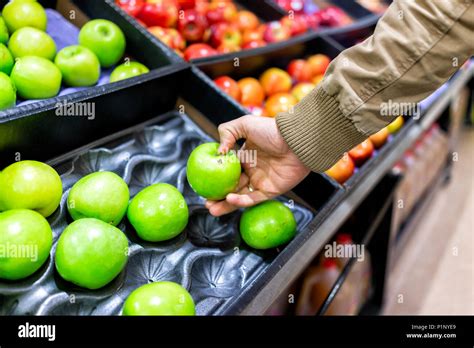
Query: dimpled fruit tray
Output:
(208,258)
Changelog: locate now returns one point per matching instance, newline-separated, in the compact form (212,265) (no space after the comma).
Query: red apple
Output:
(252,93)
(199,50)
(221,11)
(254,44)
(224,49)
(333,16)
(246,20)
(252,35)
(297,6)
(300,70)
(229,86)
(192,25)
(280,102)
(132,7)
(379,138)
(297,24)
(162,13)
(224,34)
(319,63)
(302,89)
(186,4)
(276,32)
(275,80)
(161,34)
(311,20)
(342,170)
(362,152)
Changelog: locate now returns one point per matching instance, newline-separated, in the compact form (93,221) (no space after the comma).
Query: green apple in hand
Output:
(36,78)
(3,32)
(91,253)
(102,195)
(160,298)
(25,243)
(7,96)
(79,66)
(158,212)
(32,42)
(6,60)
(30,185)
(211,174)
(128,70)
(20,13)
(105,39)
(267,225)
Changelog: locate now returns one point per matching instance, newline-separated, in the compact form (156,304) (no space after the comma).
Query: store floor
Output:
(435,273)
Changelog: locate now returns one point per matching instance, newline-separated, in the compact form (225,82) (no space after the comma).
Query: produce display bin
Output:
(208,258)
(64,22)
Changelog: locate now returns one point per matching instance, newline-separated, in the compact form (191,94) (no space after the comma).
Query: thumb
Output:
(231,132)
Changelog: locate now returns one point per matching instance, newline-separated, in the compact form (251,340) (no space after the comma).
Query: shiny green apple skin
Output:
(32,42)
(128,70)
(91,253)
(160,298)
(3,31)
(79,66)
(6,60)
(30,185)
(36,78)
(212,175)
(20,13)
(267,225)
(105,39)
(7,92)
(101,195)
(25,243)
(158,213)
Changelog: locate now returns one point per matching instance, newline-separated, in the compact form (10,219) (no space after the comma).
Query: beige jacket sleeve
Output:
(416,46)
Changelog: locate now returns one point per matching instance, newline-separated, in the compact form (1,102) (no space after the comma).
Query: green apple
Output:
(3,32)
(128,70)
(6,60)
(158,212)
(19,14)
(267,225)
(160,298)
(30,185)
(36,78)
(32,42)
(102,195)
(91,253)
(79,66)
(25,243)
(213,175)
(7,94)
(105,39)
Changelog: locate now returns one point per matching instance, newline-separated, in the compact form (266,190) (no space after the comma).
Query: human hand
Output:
(276,169)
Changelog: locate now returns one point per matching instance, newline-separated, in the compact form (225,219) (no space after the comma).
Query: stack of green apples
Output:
(31,67)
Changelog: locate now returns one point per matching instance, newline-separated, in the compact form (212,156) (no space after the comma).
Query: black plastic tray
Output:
(208,258)
(154,56)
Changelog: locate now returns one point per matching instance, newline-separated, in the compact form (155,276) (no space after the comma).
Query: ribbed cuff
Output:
(318,132)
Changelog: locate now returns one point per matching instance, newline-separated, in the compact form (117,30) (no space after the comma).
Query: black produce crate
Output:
(209,259)
(154,56)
